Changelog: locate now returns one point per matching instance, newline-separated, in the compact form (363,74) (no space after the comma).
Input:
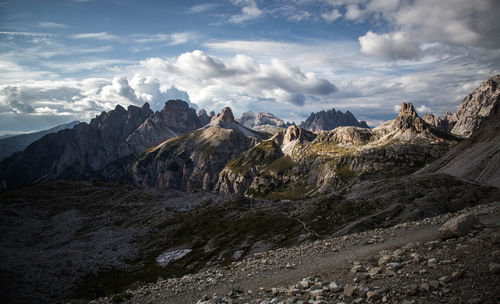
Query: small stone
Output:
(425,286)
(410,289)
(372,295)
(357,268)
(494,268)
(415,257)
(334,287)
(358,300)
(393,266)
(434,284)
(288,266)
(384,260)
(457,274)
(316,293)
(305,283)
(385,299)
(374,271)
(349,290)
(293,292)
(444,280)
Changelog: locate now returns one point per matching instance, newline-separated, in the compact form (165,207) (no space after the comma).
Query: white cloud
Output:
(331,16)
(353,12)
(393,46)
(29,34)
(98,36)
(423,109)
(249,11)
(49,24)
(201,8)
(209,79)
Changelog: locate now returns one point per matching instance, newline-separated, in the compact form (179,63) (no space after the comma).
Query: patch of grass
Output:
(281,164)
(208,150)
(346,172)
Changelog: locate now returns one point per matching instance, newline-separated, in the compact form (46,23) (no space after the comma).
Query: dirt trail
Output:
(272,274)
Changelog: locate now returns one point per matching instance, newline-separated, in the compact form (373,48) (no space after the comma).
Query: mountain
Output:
(14,143)
(79,152)
(191,161)
(296,162)
(478,157)
(331,119)
(263,121)
(472,111)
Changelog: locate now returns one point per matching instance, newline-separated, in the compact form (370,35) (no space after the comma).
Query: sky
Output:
(67,60)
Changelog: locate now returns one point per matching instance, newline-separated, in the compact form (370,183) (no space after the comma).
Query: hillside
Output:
(14,143)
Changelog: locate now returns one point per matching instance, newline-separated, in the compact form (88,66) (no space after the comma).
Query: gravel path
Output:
(276,276)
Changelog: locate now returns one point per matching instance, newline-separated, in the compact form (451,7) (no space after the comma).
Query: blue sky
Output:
(71,59)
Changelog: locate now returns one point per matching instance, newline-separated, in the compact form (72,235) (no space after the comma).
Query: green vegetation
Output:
(345,172)
(281,164)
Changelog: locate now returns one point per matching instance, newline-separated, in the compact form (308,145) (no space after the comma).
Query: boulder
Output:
(457,226)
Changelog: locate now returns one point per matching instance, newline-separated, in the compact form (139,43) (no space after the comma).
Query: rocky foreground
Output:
(423,261)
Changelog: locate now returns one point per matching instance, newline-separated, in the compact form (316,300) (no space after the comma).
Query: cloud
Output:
(331,16)
(98,36)
(424,109)
(52,25)
(201,8)
(249,11)
(353,12)
(393,46)
(209,79)
(168,39)
(28,34)
(80,99)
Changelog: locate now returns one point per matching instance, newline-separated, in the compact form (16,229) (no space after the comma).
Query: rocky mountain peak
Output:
(294,132)
(408,119)
(476,107)
(226,116)
(331,119)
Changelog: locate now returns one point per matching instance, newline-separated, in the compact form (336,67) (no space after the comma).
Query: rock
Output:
(350,290)
(374,271)
(394,266)
(476,107)
(372,295)
(357,268)
(306,283)
(494,268)
(334,287)
(457,226)
(457,274)
(424,286)
(331,119)
(410,289)
(434,284)
(415,258)
(384,260)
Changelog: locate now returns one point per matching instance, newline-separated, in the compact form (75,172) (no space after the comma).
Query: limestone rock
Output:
(457,226)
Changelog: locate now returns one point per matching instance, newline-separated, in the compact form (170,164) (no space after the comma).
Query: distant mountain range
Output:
(176,148)
(13,143)
(331,119)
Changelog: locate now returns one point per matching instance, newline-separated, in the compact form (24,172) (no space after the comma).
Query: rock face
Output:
(296,162)
(191,161)
(331,119)
(79,152)
(16,143)
(408,119)
(204,117)
(251,120)
(476,107)
(476,158)
(472,111)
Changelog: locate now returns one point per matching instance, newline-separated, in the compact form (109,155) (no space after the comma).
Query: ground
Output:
(353,269)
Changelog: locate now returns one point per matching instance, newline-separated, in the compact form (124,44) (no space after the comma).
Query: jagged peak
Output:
(225,116)
(408,119)
(407,109)
(295,132)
